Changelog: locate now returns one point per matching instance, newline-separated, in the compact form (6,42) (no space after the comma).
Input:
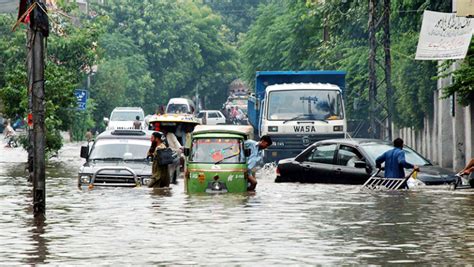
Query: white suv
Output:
(123,118)
(211,117)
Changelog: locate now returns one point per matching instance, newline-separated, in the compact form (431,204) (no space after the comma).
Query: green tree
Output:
(71,51)
(302,35)
(182,45)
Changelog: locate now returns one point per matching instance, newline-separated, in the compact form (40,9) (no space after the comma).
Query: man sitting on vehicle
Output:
(395,161)
(256,157)
(137,124)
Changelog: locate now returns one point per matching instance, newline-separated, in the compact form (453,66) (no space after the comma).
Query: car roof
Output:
(127,108)
(180,100)
(354,141)
(209,110)
(125,134)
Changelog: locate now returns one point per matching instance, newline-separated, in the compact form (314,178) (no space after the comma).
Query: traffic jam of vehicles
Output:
(294,120)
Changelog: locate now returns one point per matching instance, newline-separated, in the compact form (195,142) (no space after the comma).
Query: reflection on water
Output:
(279,224)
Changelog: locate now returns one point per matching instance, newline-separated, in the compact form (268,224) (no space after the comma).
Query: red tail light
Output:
(278,171)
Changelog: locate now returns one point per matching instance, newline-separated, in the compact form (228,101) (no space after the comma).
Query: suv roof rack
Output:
(127,132)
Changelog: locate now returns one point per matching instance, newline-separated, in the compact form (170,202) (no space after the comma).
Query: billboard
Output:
(444,36)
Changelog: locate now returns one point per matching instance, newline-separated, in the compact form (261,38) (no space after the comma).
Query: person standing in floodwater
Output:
(395,162)
(160,176)
(256,158)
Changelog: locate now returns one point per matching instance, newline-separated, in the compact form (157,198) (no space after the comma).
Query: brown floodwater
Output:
(281,224)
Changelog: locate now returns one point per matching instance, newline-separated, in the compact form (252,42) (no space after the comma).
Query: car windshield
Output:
(177,108)
(120,149)
(305,104)
(375,150)
(126,115)
(217,150)
(200,115)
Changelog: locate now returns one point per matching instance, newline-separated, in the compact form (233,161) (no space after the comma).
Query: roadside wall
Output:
(447,137)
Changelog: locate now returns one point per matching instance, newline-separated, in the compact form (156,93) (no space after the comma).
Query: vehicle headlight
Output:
(85,179)
(338,128)
(146,180)
(273,128)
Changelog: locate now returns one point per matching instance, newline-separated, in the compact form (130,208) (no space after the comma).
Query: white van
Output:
(180,106)
(123,118)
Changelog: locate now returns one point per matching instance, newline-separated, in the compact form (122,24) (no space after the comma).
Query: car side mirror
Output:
(186,151)
(85,152)
(106,121)
(360,164)
(247,152)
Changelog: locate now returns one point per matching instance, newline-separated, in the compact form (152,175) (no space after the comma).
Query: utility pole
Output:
(379,13)
(388,67)
(38,31)
(372,70)
(29,68)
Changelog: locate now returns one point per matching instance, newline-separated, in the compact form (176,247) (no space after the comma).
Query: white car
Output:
(123,118)
(180,106)
(211,117)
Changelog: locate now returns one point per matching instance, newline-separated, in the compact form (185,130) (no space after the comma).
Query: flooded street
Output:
(279,224)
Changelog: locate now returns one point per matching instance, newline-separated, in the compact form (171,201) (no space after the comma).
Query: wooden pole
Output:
(29,38)
(38,109)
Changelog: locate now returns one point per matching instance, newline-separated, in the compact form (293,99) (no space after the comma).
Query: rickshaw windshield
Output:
(217,150)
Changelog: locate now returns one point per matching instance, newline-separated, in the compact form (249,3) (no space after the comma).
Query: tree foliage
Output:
(69,53)
(304,35)
(171,49)
(463,82)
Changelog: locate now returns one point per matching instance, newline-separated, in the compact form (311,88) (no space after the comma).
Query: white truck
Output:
(297,109)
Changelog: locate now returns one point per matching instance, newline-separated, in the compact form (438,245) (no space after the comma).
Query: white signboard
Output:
(444,36)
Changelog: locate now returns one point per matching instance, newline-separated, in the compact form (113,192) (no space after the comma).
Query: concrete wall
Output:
(447,137)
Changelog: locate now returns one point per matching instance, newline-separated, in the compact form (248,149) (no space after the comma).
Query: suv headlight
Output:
(146,180)
(85,179)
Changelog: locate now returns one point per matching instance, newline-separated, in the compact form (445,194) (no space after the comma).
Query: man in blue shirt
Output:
(394,159)
(256,157)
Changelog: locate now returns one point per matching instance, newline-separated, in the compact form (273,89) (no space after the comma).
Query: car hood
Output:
(141,168)
(433,174)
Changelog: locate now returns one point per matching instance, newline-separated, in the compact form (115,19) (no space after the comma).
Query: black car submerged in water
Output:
(351,161)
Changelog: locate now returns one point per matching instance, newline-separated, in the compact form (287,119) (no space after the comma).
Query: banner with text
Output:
(444,36)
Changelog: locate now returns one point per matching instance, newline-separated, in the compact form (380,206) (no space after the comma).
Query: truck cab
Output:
(297,109)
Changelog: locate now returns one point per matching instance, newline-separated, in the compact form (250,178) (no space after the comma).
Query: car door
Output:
(345,171)
(221,118)
(318,167)
(212,118)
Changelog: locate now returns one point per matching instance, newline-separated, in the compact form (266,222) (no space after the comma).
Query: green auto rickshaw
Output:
(216,160)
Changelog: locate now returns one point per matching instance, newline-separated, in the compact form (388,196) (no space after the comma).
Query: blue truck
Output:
(296,109)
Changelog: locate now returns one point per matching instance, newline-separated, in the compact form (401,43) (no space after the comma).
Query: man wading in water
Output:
(255,158)
(160,176)
(395,161)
